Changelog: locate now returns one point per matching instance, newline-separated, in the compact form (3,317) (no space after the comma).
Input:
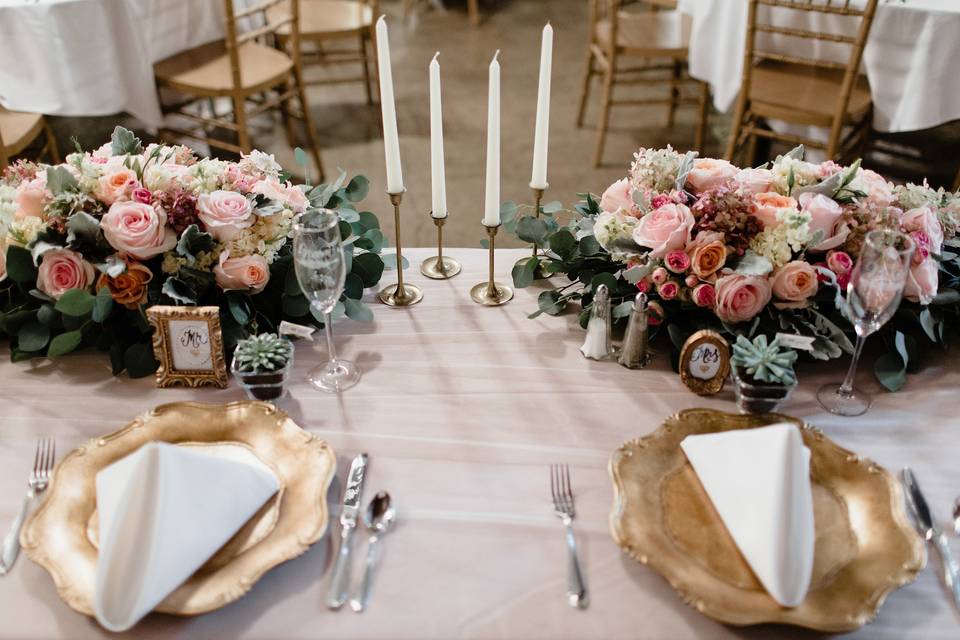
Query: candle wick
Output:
(495,56)
(382,18)
(435,56)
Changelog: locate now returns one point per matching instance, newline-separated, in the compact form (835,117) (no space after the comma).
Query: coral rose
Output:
(710,172)
(795,282)
(246,273)
(30,197)
(766,205)
(115,185)
(826,216)
(130,287)
(225,214)
(137,229)
(664,229)
(922,282)
(740,298)
(618,196)
(707,253)
(62,270)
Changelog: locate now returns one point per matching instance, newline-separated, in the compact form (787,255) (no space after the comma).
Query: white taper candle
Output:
(437,171)
(388,109)
(542,132)
(491,216)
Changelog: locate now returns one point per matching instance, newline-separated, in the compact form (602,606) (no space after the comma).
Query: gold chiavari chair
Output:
(245,68)
(657,41)
(18,129)
(804,90)
(337,22)
(956,182)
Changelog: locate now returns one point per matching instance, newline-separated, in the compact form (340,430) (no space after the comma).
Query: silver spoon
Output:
(956,516)
(377,518)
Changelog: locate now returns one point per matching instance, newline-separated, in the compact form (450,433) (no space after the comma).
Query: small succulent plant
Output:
(765,362)
(265,352)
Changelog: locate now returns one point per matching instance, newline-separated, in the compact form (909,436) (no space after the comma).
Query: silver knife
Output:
(340,582)
(930,530)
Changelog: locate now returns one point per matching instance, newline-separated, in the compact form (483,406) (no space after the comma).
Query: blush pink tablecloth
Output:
(461,409)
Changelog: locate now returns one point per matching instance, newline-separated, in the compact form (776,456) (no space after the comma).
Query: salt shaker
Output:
(599,342)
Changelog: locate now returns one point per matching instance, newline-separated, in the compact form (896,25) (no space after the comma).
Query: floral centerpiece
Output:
(86,245)
(750,250)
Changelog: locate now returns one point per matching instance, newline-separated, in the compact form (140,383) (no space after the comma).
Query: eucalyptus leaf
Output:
(533,230)
(240,307)
(550,303)
(623,309)
(75,302)
(563,244)
(370,267)
(102,305)
(348,214)
(891,368)
(33,336)
(552,207)
(589,246)
(524,272)
(20,267)
(356,310)
(64,343)
(368,220)
(390,261)
(139,361)
(358,188)
(929,324)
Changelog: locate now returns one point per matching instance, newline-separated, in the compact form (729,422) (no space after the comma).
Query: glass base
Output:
(854,403)
(335,376)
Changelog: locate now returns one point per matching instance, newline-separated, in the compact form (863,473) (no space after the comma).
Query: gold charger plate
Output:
(61,536)
(662,517)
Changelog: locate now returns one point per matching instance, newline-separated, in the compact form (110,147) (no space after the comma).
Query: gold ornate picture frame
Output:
(705,362)
(188,344)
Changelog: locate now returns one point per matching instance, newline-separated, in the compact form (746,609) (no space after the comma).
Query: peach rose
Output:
(115,185)
(137,229)
(740,298)
(664,229)
(225,214)
(754,181)
(246,273)
(826,216)
(287,194)
(922,282)
(62,270)
(618,196)
(30,197)
(710,172)
(795,282)
(707,253)
(925,219)
(130,287)
(766,205)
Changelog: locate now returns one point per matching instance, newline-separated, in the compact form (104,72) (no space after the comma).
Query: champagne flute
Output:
(322,271)
(873,295)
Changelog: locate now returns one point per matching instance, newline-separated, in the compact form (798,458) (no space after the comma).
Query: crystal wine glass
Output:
(321,271)
(873,295)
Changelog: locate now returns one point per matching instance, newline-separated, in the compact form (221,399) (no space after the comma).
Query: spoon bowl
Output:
(380,513)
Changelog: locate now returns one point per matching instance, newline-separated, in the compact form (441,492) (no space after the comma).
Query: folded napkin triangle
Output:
(759,482)
(164,510)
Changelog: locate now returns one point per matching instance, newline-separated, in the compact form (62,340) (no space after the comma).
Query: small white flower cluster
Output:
(804,174)
(266,237)
(614,231)
(778,244)
(655,169)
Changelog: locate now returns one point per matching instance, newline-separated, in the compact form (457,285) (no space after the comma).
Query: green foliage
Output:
(124,142)
(264,352)
(765,362)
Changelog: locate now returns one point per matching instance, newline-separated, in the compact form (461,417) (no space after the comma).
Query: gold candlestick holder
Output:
(439,267)
(400,294)
(539,273)
(490,293)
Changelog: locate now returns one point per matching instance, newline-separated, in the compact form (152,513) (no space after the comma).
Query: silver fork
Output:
(562,493)
(36,484)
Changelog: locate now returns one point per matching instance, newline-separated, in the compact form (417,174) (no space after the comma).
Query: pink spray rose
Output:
(925,219)
(664,229)
(740,298)
(225,214)
(826,216)
(754,181)
(618,196)
(668,290)
(839,262)
(710,172)
(879,191)
(141,195)
(677,261)
(922,282)
(766,205)
(659,275)
(246,273)
(30,197)
(795,282)
(288,194)
(691,281)
(62,270)
(137,229)
(116,184)
(704,295)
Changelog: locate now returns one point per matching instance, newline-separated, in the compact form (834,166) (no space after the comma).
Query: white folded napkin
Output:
(164,510)
(759,482)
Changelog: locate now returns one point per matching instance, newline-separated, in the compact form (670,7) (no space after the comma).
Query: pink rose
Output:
(826,216)
(839,262)
(710,172)
(62,270)
(828,168)
(664,229)
(668,290)
(754,181)
(246,273)
(137,229)
(766,205)
(704,295)
(659,275)
(30,197)
(879,191)
(677,261)
(922,282)
(740,298)
(618,196)
(115,185)
(925,219)
(142,195)
(287,194)
(795,282)
(691,281)
(225,214)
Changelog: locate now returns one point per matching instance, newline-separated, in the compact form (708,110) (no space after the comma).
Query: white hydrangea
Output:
(208,174)
(655,169)
(614,232)
(266,237)
(8,207)
(24,231)
(796,226)
(258,162)
(804,173)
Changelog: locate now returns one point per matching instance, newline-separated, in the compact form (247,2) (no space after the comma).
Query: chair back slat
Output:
(804,33)
(261,7)
(267,22)
(808,5)
(809,62)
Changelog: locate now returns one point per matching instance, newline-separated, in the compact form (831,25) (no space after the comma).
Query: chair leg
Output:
(588,74)
(51,143)
(240,117)
(604,113)
(473,8)
(365,59)
(752,150)
(737,125)
(674,93)
(308,124)
(287,116)
(703,107)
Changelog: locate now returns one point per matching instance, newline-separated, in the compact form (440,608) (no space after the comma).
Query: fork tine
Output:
(51,455)
(553,487)
(568,488)
(36,457)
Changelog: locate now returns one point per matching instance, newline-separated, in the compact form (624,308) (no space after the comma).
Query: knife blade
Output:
(340,582)
(932,533)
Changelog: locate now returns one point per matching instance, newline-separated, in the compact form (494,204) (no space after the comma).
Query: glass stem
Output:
(328,329)
(846,388)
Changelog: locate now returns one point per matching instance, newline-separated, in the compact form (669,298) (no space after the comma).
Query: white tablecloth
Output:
(462,408)
(910,58)
(95,57)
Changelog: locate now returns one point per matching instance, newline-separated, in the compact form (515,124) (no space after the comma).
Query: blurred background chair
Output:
(656,43)
(805,91)
(18,130)
(249,68)
(335,33)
